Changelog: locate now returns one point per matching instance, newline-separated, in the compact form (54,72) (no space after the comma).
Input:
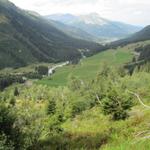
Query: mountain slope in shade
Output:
(96,25)
(142,35)
(26,38)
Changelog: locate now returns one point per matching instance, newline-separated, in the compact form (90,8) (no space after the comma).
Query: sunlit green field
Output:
(89,67)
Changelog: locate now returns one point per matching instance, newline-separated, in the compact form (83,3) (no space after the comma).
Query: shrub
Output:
(74,83)
(4,144)
(78,107)
(7,120)
(12,101)
(51,107)
(42,70)
(55,124)
(117,104)
(16,92)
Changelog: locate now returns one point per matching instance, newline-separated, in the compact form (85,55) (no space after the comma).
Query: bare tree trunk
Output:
(139,99)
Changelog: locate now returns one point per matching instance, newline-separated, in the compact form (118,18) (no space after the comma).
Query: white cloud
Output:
(129,11)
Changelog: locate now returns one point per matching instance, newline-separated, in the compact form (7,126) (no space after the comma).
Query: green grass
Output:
(118,135)
(88,67)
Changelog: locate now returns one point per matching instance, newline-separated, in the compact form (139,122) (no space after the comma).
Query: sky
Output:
(136,12)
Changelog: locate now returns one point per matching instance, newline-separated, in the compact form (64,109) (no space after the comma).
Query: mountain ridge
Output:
(96,25)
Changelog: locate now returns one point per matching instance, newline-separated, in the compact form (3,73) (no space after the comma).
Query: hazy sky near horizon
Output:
(130,11)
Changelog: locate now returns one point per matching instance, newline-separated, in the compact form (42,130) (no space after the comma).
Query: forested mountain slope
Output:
(27,38)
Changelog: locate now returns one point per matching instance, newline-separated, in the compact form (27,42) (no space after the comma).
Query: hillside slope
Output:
(142,35)
(27,38)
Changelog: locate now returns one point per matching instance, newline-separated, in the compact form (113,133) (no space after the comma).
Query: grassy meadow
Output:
(88,68)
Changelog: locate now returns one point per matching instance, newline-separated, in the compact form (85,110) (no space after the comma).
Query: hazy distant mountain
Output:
(95,25)
(73,31)
(26,37)
(64,18)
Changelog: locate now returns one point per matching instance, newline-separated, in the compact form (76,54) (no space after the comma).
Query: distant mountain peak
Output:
(94,15)
(93,18)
